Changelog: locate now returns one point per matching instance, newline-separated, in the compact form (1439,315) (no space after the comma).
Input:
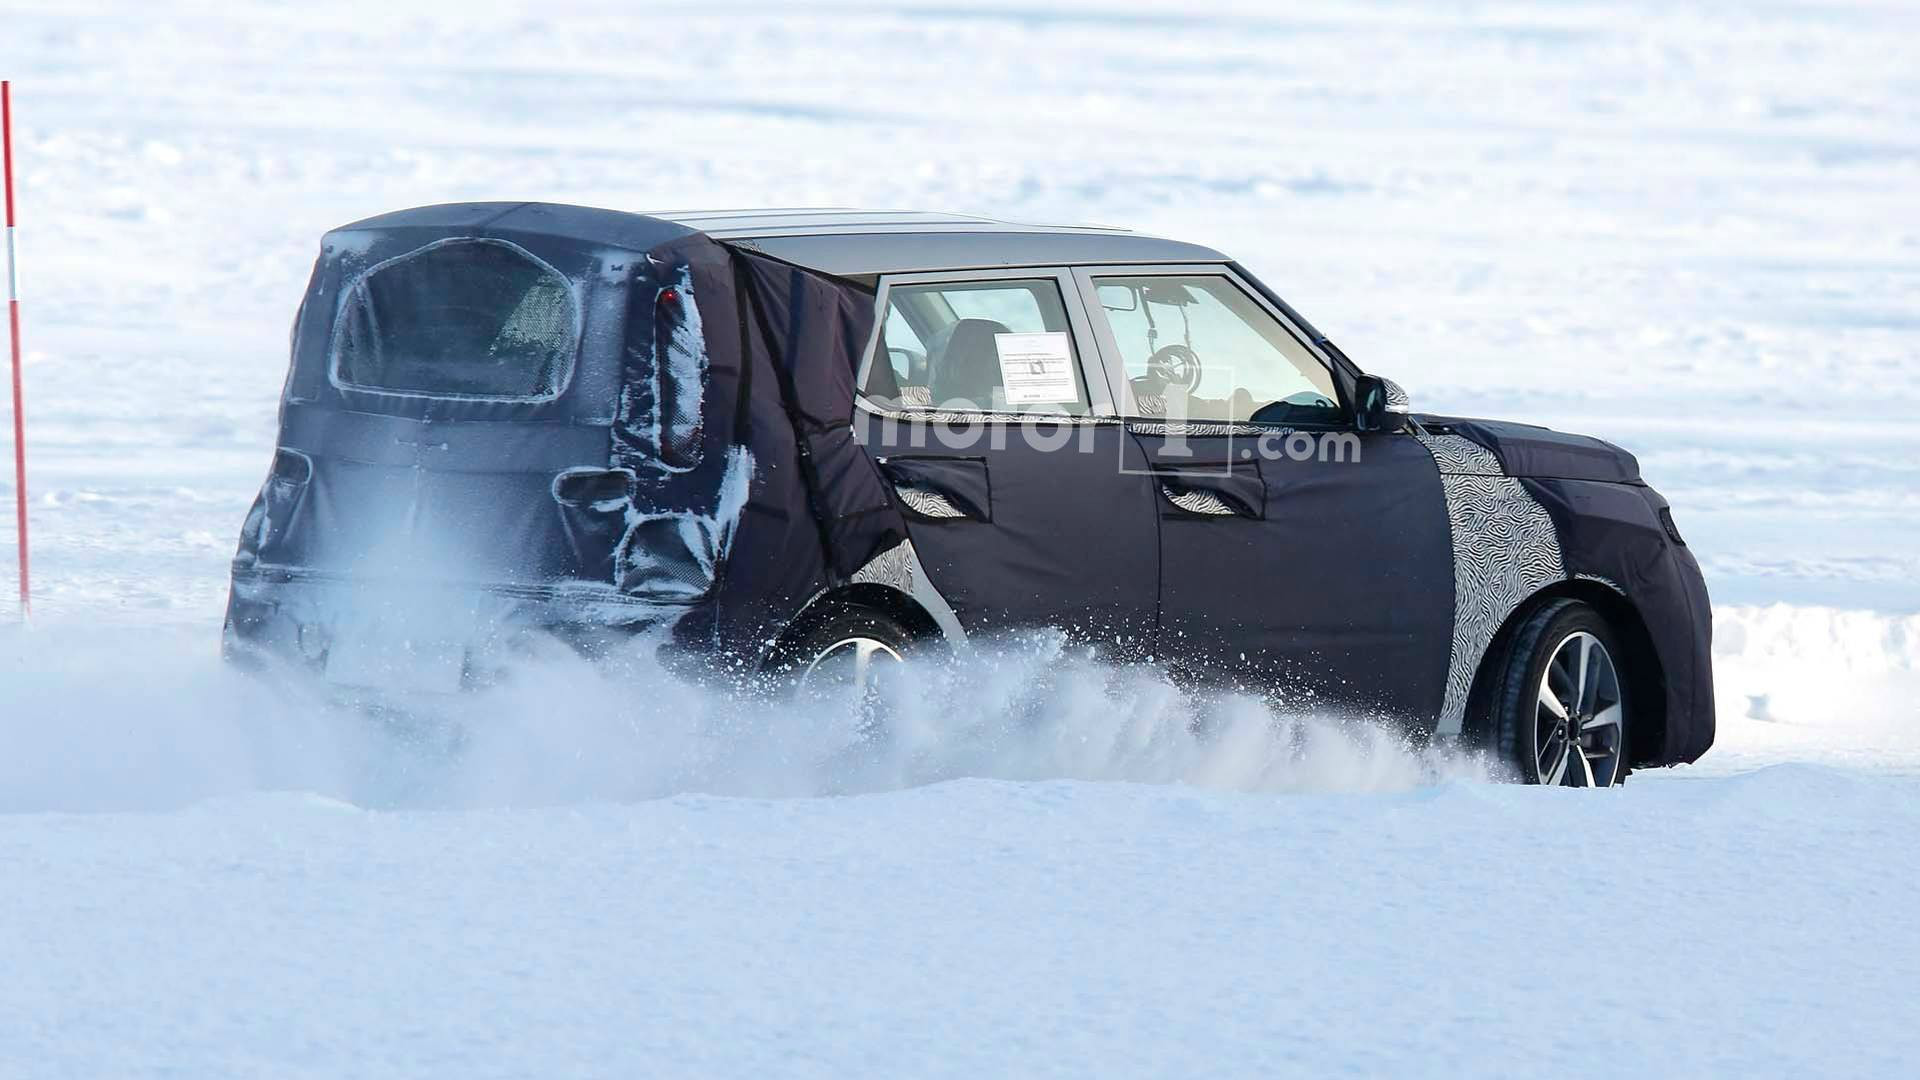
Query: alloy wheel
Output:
(1579,716)
(852,664)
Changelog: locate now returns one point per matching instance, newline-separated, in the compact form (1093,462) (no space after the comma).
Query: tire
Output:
(839,655)
(1530,715)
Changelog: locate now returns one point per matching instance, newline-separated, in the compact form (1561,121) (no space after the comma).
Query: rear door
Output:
(1026,499)
(1295,553)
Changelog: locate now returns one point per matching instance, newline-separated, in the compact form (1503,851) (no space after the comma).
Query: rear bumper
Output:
(409,636)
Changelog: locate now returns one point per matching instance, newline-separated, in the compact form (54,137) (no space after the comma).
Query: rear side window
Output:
(462,318)
(978,346)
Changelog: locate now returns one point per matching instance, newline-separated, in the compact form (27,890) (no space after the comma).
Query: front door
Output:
(1297,557)
(1026,499)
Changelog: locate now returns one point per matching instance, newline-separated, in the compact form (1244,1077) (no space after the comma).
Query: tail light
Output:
(680,361)
(1673,531)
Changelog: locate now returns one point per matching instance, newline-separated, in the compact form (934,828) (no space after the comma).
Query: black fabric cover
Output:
(810,332)
(413,488)
(1072,540)
(702,433)
(1614,531)
(1529,450)
(1340,593)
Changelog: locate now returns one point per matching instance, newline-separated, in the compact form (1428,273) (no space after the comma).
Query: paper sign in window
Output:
(1037,369)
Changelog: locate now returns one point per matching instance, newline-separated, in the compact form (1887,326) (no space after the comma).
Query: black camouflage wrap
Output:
(703,435)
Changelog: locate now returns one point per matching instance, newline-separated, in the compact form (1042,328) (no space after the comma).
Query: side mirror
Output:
(1379,404)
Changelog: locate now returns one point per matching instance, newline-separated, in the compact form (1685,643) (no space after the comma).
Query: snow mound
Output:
(1816,684)
(1820,639)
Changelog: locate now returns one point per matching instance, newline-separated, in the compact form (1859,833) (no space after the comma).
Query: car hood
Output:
(1543,453)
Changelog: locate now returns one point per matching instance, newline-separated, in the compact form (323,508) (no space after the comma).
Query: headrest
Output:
(965,363)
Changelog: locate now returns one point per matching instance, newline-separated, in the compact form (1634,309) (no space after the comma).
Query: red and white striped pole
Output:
(13,327)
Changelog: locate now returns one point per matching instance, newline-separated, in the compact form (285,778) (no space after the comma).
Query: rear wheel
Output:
(1555,707)
(846,655)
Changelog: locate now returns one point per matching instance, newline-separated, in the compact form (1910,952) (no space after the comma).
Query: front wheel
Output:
(1556,707)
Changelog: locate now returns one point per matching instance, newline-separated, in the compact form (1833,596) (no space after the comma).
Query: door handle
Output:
(941,488)
(927,502)
(1237,493)
(1199,501)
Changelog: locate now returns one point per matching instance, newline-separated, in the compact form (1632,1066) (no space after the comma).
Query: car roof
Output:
(837,220)
(845,241)
(841,242)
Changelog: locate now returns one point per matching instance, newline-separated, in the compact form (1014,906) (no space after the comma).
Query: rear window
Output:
(463,318)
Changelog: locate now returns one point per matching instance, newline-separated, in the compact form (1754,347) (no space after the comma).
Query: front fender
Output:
(1616,532)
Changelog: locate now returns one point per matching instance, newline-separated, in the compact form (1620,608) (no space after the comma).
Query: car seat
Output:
(965,363)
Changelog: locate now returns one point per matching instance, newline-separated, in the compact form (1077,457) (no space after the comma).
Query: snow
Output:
(975,928)
(1688,228)
(1047,872)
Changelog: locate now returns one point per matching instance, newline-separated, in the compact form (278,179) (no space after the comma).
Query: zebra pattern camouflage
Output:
(1505,549)
(899,568)
(892,567)
(927,502)
(1194,501)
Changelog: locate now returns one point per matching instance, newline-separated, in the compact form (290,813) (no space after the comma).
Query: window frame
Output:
(1113,361)
(1087,355)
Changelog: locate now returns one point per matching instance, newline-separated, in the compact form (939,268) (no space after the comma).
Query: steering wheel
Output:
(1175,365)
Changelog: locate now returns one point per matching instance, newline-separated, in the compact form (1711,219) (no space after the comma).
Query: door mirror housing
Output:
(1379,404)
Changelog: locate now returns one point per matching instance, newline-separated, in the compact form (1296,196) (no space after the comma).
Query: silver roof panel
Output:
(853,242)
(732,224)
(845,243)
(854,254)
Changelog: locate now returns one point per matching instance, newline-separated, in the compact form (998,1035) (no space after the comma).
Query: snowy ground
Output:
(1687,228)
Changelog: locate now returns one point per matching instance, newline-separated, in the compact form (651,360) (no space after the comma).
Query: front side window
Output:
(995,346)
(463,318)
(1198,348)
